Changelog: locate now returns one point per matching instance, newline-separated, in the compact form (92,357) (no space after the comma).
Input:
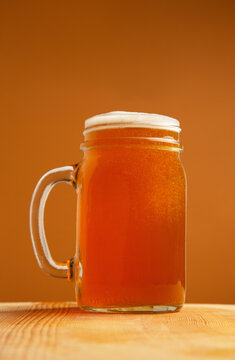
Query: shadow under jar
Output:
(130,246)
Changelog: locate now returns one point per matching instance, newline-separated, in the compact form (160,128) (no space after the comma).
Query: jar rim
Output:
(119,119)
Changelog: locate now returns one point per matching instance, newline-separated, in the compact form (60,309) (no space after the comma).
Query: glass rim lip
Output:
(120,119)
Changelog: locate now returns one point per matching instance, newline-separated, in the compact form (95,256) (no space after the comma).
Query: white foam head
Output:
(119,119)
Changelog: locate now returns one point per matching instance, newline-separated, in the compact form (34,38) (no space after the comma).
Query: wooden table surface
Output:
(62,331)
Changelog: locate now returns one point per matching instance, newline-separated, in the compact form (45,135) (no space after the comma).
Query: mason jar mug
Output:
(131,195)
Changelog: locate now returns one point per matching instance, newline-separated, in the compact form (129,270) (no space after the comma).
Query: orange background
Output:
(63,61)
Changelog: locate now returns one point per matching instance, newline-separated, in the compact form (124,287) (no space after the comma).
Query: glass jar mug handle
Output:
(66,174)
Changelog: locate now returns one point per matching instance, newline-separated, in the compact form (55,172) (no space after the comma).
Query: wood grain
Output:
(62,331)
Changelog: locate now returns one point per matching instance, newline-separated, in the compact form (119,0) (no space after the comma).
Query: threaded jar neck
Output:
(130,129)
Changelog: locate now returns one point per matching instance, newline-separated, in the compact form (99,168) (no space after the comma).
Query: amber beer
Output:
(130,245)
(131,216)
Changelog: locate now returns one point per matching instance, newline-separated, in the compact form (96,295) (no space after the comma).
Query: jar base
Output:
(135,309)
